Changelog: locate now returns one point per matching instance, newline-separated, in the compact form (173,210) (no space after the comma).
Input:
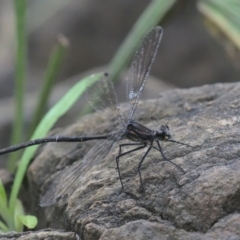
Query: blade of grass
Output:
(53,67)
(18,225)
(20,73)
(4,211)
(28,220)
(45,125)
(3,195)
(226,16)
(3,227)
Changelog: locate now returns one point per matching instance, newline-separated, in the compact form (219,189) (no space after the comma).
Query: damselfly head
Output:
(163,133)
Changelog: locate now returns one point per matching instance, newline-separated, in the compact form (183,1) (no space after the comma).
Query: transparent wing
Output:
(102,97)
(67,181)
(140,67)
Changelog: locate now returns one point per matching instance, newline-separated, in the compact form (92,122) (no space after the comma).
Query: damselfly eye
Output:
(164,132)
(167,137)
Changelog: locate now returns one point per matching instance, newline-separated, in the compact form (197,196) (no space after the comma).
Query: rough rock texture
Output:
(40,235)
(201,204)
(7,178)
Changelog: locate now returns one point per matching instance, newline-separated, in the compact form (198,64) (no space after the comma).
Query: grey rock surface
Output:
(40,235)
(201,204)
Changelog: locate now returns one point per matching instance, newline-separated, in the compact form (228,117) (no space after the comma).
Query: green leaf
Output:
(18,211)
(3,227)
(20,7)
(3,195)
(52,70)
(45,125)
(4,210)
(225,15)
(28,220)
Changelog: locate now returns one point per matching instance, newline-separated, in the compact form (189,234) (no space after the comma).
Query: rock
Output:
(6,178)
(142,229)
(40,235)
(201,204)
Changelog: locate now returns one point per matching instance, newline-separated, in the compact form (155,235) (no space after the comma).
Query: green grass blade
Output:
(4,211)
(54,65)
(225,15)
(20,73)
(3,227)
(3,195)
(45,125)
(28,220)
(18,211)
